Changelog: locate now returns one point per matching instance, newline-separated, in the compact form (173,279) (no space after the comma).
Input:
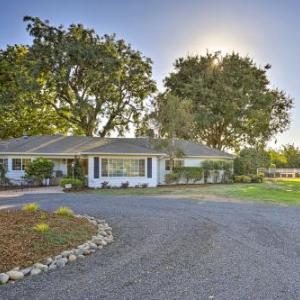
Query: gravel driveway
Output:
(175,249)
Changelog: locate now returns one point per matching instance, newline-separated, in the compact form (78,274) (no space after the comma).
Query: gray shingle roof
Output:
(71,145)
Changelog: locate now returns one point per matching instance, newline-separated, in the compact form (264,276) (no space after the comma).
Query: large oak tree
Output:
(232,99)
(95,85)
(21,111)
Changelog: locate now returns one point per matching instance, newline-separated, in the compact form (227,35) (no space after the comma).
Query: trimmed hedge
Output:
(76,183)
(249,179)
(242,179)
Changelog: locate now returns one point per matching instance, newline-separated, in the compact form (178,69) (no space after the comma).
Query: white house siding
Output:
(17,175)
(117,181)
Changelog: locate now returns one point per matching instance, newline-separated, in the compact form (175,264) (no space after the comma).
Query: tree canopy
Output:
(21,112)
(92,85)
(232,99)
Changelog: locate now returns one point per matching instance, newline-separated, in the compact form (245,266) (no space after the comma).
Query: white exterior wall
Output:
(116,181)
(59,165)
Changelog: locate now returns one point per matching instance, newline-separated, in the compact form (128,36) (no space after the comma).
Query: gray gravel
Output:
(175,249)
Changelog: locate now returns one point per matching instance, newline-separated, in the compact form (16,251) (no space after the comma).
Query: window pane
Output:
(104,167)
(25,163)
(16,164)
(142,167)
(167,165)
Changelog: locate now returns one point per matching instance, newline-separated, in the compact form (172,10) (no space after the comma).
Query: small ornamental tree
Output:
(78,171)
(39,169)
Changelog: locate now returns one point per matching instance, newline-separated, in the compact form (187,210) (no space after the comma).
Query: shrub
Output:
(39,169)
(259,178)
(171,178)
(41,228)
(189,173)
(75,183)
(105,185)
(65,212)
(124,185)
(32,207)
(144,185)
(242,179)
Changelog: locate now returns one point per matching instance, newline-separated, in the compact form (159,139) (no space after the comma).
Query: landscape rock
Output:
(35,271)
(72,257)
(60,263)
(53,266)
(40,266)
(26,271)
(48,261)
(3,278)
(15,275)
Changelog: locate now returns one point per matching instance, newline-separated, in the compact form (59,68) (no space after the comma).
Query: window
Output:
(4,163)
(25,163)
(177,163)
(122,167)
(19,164)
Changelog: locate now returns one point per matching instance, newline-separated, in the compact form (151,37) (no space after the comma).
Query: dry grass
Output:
(22,246)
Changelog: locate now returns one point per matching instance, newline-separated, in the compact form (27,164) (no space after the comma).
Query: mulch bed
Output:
(21,245)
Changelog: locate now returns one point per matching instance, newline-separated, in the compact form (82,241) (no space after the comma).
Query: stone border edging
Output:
(102,238)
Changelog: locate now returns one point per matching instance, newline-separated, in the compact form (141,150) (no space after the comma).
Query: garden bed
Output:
(22,246)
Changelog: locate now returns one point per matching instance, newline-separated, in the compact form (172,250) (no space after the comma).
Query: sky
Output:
(267,31)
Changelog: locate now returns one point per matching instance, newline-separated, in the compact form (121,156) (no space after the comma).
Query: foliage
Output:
(75,170)
(39,169)
(22,108)
(250,159)
(65,212)
(232,100)
(31,207)
(242,179)
(144,185)
(96,84)
(278,160)
(172,117)
(189,173)
(3,172)
(124,185)
(259,178)
(292,155)
(41,228)
(75,182)
(105,185)
(171,178)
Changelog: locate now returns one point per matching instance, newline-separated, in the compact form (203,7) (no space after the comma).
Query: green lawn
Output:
(281,191)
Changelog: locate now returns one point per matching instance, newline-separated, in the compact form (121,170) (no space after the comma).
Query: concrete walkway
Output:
(28,191)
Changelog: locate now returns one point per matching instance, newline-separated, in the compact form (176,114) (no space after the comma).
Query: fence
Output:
(280,172)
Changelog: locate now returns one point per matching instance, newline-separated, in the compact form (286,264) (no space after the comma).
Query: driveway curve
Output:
(175,249)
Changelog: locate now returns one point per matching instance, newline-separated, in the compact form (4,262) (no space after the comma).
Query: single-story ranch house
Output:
(114,160)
